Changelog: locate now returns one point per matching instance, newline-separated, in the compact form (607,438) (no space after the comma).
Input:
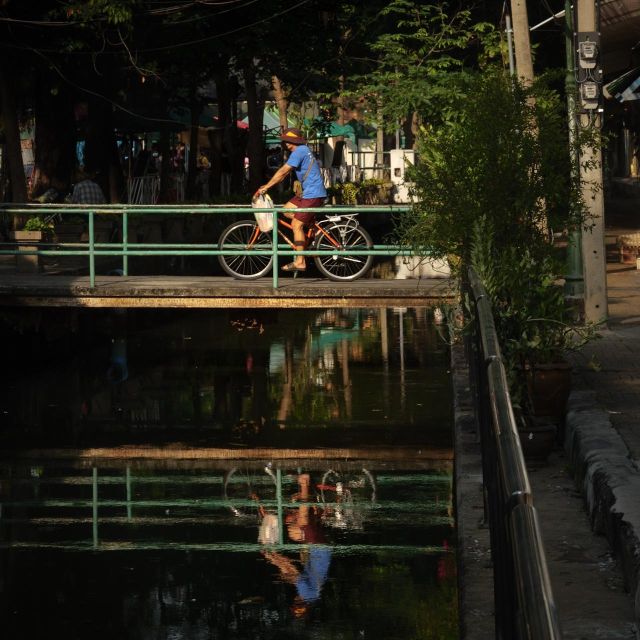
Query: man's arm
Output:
(278,177)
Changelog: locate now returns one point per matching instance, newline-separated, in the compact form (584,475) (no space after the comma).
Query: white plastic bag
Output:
(269,529)
(263,218)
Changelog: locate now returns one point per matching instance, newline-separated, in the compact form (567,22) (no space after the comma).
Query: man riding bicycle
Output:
(313,194)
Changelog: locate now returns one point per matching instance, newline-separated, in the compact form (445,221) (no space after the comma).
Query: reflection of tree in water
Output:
(315,377)
(214,376)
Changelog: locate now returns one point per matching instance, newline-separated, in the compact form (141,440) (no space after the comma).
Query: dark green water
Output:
(95,548)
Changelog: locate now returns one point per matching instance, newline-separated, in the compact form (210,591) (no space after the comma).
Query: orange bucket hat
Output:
(293,136)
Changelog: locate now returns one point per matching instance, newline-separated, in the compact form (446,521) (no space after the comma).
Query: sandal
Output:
(292,267)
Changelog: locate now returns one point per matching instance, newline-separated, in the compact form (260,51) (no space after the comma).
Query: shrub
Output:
(504,156)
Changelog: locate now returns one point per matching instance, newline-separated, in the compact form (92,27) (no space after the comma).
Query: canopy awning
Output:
(353,130)
(625,87)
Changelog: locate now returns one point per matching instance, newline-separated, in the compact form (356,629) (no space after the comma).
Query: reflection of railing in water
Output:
(126,515)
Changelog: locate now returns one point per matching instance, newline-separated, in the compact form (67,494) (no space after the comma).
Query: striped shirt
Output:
(87,192)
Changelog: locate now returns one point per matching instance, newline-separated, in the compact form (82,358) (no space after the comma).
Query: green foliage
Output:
(349,192)
(113,11)
(504,156)
(533,321)
(370,191)
(491,185)
(38,223)
(420,50)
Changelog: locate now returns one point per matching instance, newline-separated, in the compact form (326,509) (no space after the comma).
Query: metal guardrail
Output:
(524,603)
(125,248)
(114,504)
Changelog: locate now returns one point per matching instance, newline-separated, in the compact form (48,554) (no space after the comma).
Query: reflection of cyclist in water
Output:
(309,573)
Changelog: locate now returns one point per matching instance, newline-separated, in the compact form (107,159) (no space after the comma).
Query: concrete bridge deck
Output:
(41,290)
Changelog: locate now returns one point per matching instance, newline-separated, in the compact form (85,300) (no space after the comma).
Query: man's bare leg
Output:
(298,235)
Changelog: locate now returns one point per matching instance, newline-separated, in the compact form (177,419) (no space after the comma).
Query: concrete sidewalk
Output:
(602,454)
(602,442)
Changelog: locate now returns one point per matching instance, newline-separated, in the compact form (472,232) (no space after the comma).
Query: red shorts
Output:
(304,203)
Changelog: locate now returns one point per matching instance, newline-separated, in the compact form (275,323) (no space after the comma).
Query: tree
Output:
(500,156)
(414,64)
(12,137)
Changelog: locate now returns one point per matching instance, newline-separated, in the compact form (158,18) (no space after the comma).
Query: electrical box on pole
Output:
(588,71)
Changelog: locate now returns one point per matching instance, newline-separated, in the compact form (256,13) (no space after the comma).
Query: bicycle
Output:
(342,496)
(341,232)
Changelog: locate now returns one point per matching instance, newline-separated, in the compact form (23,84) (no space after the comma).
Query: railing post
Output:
(95,507)
(280,508)
(92,248)
(274,247)
(129,506)
(125,242)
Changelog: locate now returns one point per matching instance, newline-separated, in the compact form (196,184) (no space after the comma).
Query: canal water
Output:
(121,518)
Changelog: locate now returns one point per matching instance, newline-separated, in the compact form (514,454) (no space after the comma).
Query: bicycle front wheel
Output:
(343,237)
(245,236)
(246,490)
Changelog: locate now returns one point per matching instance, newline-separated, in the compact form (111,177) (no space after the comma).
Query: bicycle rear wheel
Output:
(343,237)
(245,236)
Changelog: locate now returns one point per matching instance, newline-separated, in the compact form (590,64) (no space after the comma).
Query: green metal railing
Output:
(125,248)
(97,510)
(525,608)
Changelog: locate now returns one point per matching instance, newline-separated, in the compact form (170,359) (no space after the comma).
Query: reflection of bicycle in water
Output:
(337,500)
(347,495)
(341,497)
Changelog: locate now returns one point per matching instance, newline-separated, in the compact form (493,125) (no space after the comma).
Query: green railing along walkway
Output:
(124,248)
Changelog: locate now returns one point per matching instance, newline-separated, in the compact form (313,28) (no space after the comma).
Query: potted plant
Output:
(535,325)
(35,231)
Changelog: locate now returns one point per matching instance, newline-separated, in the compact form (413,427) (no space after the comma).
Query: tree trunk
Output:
(215,142)
(165,152)
(380,136)
(12,138)
(411,126)
(230,141)
(255,143)
(55,138)
(100,149)
(116,175)
(341,119)
(281,100)
(235,150)
(192,168)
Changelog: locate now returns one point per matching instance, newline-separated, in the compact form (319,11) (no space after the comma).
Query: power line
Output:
(165,10)
(99,95)
(172,46)
(225,33)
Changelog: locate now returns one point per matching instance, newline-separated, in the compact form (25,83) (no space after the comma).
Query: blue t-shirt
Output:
(310,582)
(313,185)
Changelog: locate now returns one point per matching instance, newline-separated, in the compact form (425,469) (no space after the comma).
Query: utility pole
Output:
(589,78)
(524,62)
(574,282)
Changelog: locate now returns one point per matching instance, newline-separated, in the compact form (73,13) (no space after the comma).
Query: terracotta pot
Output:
(537,438)
(549,386)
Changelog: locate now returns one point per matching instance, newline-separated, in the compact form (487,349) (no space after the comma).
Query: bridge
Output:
(217,292)
(85,287)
